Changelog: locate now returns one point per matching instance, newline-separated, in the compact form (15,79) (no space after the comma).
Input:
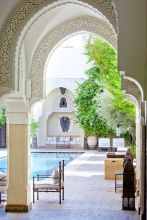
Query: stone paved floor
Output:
(88,196)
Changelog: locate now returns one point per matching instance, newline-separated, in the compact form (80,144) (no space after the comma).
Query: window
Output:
(63,103)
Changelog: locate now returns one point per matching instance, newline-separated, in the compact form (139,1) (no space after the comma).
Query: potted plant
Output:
(2,117)
(87,108)
(33,130)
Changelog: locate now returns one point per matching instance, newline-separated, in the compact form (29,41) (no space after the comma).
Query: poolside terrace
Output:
(88,195)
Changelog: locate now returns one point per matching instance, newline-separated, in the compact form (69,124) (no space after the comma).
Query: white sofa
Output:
(63,142)
(51,140)
(75,142)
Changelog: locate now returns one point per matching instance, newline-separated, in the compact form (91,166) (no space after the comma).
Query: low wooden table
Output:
(112,165)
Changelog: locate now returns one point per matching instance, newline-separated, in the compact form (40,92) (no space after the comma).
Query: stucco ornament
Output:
(131,88)
(22,14)
(79,24)
(65,123)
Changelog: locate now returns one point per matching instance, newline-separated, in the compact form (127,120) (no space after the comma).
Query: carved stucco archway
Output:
(79,24)
(21,16)
(132,87)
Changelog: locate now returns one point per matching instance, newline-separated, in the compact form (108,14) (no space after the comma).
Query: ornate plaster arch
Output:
(83,23)
(132,99)
(131,87)
(134,93)
(22,14)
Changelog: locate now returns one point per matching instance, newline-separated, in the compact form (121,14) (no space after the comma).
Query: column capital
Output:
(17,110)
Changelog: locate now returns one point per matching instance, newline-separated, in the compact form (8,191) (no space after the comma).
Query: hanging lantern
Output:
(118,130)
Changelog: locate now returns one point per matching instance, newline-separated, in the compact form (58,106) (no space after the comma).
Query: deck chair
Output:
(3,184)
(52,183)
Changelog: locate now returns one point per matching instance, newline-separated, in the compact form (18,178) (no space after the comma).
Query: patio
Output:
(87,195)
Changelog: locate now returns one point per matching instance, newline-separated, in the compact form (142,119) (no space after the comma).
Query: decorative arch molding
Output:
(22,14)
(131,87)
(79,24)
(132,99)
(134,93)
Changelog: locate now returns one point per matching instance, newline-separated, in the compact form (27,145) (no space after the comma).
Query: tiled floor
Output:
(88,196)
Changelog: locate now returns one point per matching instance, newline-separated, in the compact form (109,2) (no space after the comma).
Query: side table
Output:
(118,185)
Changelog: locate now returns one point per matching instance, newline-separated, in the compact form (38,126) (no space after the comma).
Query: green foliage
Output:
(102,55)
(3,116)
(87,114)
(133,151)
(34,126)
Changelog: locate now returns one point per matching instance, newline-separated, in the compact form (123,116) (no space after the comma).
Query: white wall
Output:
(132,43)
(69,83)
(67,64)
(54,128)
(51,114)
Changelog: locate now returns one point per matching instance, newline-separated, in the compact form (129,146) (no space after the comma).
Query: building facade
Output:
(30,31)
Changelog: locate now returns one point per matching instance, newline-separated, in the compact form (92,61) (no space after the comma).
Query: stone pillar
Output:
(143,165)
(18,189)
(138,148)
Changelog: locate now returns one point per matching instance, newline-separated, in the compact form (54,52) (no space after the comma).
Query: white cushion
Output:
(77,139)
(52,142)
(67,139)
(50,138)
(55,176)
(61,139)
(53,138)
(61,142)
(46,186)
(72,142)
(122,149)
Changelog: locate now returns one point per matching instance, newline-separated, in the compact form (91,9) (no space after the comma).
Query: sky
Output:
(68,60)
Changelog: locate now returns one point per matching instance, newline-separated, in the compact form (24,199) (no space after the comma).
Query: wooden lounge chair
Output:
(53,183)
(3,184)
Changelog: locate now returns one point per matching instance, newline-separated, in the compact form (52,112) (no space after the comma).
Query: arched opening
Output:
(9,49)
(64,82)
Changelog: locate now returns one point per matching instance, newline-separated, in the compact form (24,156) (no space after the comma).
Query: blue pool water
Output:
(44,163)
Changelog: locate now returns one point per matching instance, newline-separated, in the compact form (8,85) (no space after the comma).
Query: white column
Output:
(142,161)
(42,131)
(138,147)
(18,189)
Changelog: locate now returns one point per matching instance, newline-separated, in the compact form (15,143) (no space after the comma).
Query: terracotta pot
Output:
(92,142)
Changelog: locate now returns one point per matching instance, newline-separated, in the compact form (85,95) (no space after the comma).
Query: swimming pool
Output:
(44,163)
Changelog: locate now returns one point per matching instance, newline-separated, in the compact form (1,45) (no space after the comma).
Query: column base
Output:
(18,208)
